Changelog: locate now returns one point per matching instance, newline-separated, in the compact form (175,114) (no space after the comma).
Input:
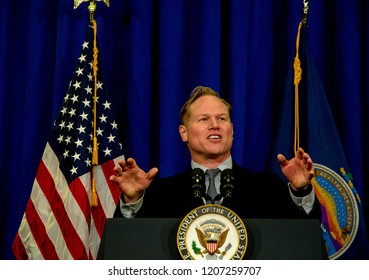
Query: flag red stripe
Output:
(72,239)
(99,218)
(78,190)
(18,248)
(108,167)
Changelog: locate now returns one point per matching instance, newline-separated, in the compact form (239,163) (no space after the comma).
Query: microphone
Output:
(226,183)
(198,182)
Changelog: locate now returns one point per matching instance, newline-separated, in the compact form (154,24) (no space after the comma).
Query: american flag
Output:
(59,221)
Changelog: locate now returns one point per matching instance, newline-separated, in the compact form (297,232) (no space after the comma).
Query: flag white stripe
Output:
(94,240)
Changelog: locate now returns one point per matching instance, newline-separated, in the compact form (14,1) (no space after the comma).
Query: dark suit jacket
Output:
(255,195)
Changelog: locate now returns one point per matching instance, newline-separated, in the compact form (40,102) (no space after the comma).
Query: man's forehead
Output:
(210,114)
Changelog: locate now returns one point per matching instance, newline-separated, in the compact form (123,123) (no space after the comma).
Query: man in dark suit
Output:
(207,130)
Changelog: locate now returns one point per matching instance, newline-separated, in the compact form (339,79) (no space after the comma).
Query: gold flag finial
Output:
(305,12)
(78,2)
(91,7)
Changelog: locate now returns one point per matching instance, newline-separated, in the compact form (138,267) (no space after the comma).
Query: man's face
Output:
(208,130)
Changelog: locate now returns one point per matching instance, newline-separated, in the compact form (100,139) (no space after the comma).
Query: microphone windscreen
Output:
(198,182)
(226,182)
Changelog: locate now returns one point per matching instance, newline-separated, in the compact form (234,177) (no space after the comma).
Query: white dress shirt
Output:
(306,203)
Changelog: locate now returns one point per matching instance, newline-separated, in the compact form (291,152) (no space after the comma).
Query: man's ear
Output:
(183,132)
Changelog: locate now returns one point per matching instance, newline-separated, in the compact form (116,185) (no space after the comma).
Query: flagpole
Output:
(95,160)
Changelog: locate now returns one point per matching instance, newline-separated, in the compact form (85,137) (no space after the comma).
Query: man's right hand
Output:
(131,179)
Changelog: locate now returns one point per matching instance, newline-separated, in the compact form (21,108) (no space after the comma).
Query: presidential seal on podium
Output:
(212,232)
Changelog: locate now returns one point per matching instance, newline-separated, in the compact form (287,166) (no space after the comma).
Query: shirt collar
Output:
(224,165)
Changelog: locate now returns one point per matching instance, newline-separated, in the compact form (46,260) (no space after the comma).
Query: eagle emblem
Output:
(212,232)
(211,235)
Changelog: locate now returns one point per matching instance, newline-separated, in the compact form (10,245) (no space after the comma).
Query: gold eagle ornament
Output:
(212,241)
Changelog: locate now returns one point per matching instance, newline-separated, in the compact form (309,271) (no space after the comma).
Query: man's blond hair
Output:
(197,93)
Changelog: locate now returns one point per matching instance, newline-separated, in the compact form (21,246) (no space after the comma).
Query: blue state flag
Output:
(342,224)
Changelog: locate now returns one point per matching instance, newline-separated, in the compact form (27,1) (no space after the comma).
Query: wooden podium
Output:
(155,239)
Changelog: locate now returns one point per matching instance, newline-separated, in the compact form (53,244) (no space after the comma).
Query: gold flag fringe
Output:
(95,160)
(296,81)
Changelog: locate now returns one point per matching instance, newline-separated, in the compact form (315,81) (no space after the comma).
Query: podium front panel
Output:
(155,239)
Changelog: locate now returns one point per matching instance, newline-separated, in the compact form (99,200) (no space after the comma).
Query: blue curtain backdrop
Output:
(152,54)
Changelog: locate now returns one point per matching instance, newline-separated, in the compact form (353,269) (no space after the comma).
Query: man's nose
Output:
(214,123)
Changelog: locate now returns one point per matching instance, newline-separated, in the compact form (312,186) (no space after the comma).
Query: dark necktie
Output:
(211,189)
